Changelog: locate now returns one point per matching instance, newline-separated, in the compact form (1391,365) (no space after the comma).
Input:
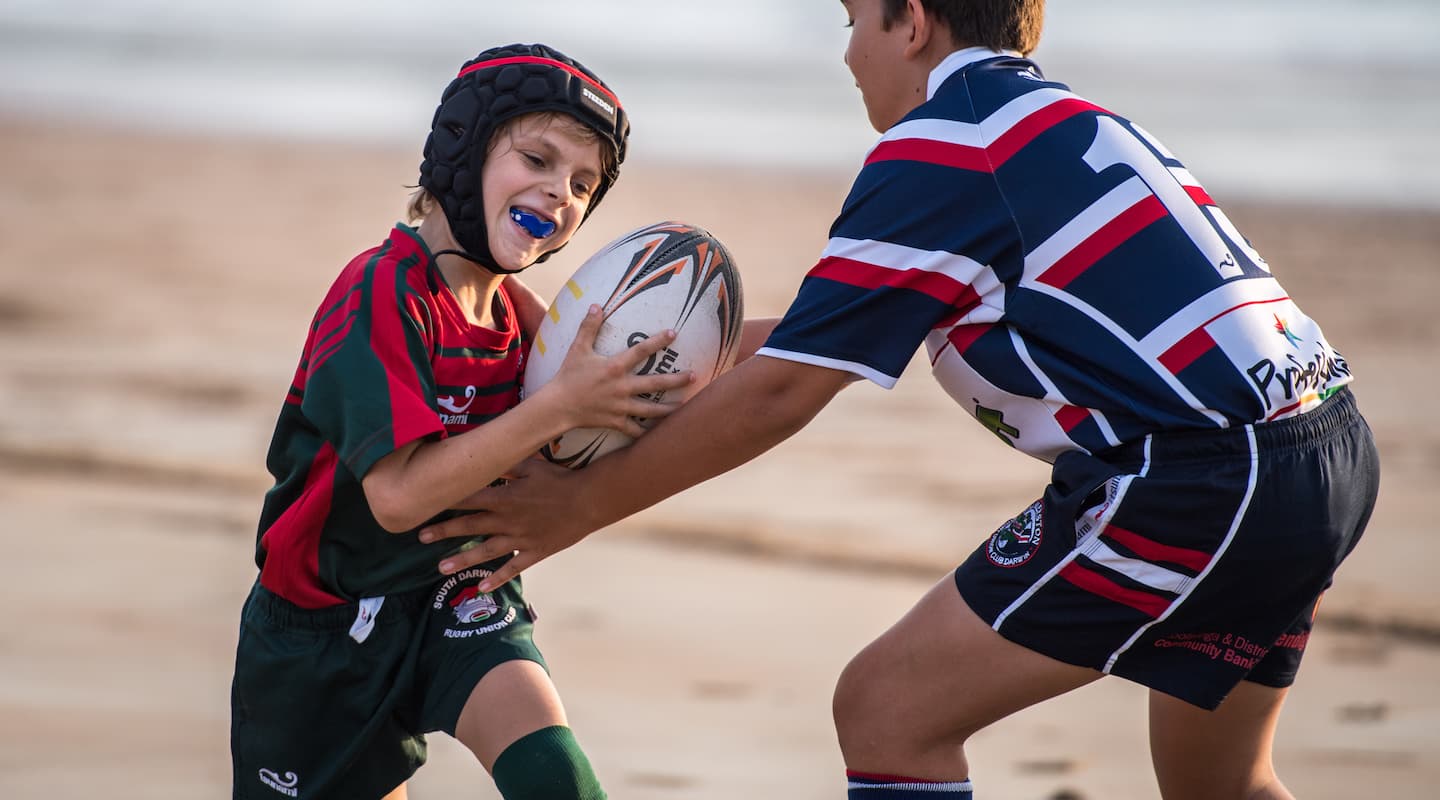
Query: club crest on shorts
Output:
(1018,540)
(460,595)
(472,605)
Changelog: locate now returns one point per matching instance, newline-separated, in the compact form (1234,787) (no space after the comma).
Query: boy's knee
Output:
(546,765)
(859,708)
(873,717)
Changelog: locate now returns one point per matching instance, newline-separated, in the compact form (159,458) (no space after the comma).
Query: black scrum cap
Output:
(497,85)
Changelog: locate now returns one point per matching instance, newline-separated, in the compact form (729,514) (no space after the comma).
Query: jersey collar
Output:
(957,61)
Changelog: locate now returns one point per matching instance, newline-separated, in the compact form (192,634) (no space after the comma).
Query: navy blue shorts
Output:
(1185,562)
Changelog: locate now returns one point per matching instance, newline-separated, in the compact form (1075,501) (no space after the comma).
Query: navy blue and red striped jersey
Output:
(1076,288)
(390,359)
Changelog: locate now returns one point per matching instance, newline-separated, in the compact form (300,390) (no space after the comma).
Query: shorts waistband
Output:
(1336,413)
(332,618)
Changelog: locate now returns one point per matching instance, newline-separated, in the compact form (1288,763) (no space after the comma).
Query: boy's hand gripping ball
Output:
(664,276)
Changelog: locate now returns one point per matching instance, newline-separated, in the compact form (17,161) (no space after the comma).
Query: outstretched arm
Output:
(743,413)
(423,478)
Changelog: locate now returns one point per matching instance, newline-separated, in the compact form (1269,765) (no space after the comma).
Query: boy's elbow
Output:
(397,524)
(388,507)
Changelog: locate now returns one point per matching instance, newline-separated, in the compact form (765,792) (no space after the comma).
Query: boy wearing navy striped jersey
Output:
(407,400)
(1080,294)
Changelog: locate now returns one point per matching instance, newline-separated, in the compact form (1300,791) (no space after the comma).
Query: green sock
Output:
(546,765)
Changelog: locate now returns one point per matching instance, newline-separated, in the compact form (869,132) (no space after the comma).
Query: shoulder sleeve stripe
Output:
(388,335)
(870,276)
(941,264)
(853,367)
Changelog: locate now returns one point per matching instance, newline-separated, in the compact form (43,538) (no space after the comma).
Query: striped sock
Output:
(864,786)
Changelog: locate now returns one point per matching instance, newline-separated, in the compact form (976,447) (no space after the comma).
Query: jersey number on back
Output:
(1209,229)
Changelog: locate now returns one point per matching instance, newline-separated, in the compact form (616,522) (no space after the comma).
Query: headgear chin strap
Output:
(497,85)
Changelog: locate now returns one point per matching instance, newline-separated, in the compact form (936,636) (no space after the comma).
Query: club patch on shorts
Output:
(1018,540)
(470,605)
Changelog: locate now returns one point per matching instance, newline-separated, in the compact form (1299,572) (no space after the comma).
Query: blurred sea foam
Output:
(1331,101)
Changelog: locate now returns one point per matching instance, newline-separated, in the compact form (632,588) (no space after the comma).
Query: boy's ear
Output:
(922,28)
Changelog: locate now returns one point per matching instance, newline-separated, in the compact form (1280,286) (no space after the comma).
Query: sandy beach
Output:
(154,295)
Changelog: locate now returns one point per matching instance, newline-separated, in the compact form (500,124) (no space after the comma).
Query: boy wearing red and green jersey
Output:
(406,402)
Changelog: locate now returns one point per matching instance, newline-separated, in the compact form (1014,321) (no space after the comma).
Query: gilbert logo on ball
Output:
(666,275)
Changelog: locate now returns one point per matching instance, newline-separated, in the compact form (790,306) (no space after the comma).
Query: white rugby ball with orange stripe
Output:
(669,275)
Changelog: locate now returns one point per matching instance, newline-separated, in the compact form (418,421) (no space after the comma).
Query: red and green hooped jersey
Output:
(390,359)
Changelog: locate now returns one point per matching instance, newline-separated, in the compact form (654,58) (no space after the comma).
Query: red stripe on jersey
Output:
(1099,244)
(410,412)
(1151,550)
(1280,412)
(943,154)
(1093,582)
(292,543)
(1200,196)
(962,336)
(1184,352)
(332,324)
(1071,416)
(982,159)
(871,276)
(1037,122)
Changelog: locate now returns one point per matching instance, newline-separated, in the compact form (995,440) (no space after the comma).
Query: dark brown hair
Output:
(996,24)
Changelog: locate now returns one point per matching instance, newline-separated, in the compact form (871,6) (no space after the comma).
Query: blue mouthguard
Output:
(533,225)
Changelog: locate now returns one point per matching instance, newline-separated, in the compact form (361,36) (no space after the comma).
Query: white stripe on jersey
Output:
(967,134)
(1216,303)
(1237,239)
(1119,333)
(1053,393)
(1085,224)
(853,367)
(1141,571)
(1016,111)
(1185,178)
(900,258)
(1232,234)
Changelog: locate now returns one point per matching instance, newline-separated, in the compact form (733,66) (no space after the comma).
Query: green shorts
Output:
(317,714)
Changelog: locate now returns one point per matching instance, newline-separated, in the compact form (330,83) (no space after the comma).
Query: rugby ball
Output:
(663,276)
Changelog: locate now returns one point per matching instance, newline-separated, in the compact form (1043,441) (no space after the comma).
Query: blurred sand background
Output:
(154,293)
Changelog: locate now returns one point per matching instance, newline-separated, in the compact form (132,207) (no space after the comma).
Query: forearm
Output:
(742,414)
(409,487)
